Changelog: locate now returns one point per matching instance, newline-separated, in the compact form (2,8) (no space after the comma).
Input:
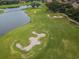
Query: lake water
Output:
(11,19)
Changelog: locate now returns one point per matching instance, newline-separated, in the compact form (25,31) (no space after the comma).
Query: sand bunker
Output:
(33,42)
(54,16)
(35,12)
(57,16)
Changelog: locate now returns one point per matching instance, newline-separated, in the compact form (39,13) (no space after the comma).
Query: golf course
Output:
(47,35)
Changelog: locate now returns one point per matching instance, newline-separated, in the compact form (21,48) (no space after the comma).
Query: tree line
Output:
(68,9)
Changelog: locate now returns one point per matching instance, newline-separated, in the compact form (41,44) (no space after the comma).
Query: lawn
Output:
(13,5)
(1,11)
(9,6)
(61,40)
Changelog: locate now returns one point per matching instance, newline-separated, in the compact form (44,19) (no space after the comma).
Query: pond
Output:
(12,19)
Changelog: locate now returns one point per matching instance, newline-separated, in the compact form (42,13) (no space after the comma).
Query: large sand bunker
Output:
(33,42)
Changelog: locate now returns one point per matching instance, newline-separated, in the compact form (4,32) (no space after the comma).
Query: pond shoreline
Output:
(11,19)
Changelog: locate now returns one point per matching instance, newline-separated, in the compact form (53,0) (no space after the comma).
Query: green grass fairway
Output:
(61,41)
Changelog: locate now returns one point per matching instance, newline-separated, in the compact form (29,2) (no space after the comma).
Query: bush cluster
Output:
(8,2)
(35,4)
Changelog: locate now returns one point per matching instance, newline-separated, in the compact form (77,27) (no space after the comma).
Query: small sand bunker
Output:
(35,12)
(33,42)
(48,15)
(54,16)
(57,16)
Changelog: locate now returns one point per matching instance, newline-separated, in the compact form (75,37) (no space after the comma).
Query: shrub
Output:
(54,6)
(8,2)
(35,4)
(75,15)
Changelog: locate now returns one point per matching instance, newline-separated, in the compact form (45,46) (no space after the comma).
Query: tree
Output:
(35,4)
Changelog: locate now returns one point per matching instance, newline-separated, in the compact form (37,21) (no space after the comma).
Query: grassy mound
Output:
(61,41)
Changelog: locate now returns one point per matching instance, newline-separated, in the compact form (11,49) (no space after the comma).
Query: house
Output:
(69,1)
(49,1)
(75,3)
